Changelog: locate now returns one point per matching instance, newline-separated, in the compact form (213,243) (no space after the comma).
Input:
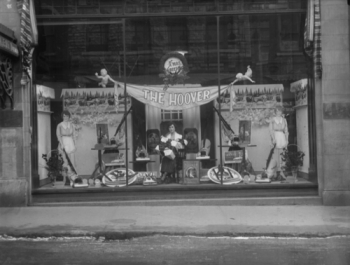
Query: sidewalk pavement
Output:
(122,222)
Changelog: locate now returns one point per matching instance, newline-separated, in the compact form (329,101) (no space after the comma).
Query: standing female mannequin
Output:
(66,137)
(168,166)
(279,136)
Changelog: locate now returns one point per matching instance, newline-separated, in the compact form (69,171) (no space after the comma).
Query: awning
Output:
(45,91)
(258,89)
(312,36)
(29,33)
(299,85)
(67,92)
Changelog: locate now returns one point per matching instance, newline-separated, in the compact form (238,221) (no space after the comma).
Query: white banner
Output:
(174,98)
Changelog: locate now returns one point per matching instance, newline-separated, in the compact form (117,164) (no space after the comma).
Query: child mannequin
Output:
(246,168)
(104,78)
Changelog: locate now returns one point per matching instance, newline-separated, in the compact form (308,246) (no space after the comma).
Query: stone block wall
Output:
(334,137)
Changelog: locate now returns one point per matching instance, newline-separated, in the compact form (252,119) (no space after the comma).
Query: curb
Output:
(135,234)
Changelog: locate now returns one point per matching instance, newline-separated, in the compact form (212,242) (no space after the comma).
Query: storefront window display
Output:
(221,81)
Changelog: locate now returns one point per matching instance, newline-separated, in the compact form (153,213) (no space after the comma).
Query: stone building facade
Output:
(331,100)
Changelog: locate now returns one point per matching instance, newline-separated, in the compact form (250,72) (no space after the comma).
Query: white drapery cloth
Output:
(153,119)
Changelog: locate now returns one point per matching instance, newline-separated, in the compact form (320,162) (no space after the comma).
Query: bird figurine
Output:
(246,76)
(239,77)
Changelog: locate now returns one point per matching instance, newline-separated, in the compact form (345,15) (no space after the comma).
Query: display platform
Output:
(136,185)
(172,193)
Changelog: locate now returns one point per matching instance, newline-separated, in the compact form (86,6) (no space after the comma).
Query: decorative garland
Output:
(259,117)
(90,120)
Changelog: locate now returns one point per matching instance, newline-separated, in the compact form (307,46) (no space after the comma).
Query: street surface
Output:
(166,250)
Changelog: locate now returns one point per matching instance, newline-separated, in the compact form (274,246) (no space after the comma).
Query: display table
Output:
(243,146)
(141,164)
(200,159)
(100,148)
(142,161)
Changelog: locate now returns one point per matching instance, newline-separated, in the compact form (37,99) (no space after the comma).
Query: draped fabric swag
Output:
(312,36)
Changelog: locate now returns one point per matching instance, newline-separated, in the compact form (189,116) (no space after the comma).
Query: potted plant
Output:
(293,160)
(54,165)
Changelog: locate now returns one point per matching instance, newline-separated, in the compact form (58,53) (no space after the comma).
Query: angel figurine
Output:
(246,76)
(104,78)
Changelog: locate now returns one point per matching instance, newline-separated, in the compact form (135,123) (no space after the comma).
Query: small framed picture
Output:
(102,133)
(191,172)
(245,128)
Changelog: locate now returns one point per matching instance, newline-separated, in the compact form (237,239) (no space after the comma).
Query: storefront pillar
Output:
(333,129)
(14,118)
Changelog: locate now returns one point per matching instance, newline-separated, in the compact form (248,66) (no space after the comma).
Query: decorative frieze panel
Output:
(300,89)
(44,95)
(6,83)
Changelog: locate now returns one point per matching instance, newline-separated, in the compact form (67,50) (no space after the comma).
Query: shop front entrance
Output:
(182,106)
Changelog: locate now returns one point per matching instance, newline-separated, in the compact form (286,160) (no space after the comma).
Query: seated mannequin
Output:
(235,145)
(168,165)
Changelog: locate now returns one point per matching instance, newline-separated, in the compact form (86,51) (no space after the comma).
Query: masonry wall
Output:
(333,122)
(14,128)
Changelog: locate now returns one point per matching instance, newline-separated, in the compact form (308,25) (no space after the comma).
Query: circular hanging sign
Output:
(171,62)
(173,65)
